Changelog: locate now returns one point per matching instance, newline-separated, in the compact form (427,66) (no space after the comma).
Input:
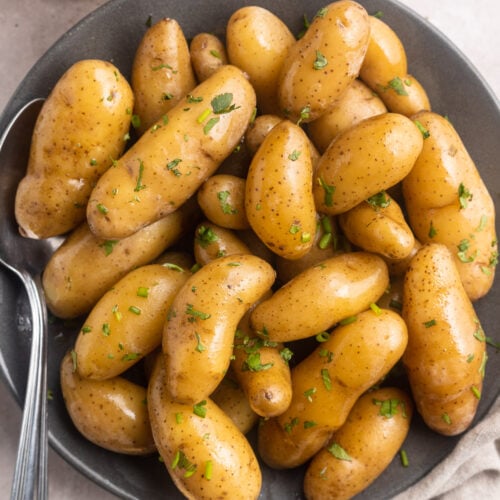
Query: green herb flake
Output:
(102,208)
(482,367)
(470,358)
(172,166)
(164,66)
(131,356)
(199,346)
(338,452)
(290,425)
(226,207)
(116,313)
(379,200)
(106,330)
(325,376)
(208,470)
(309,394)
(139,185)
(195,314)
(50,394)
(210,124)
(305,114)
(464,196)
(286,354)
(322,337)
(253,363)
(320,62)
(425,133)
(376,309)
(294,155)
(463,247)
(309,423)
(135,121)
(446,418)
(431,322)
(482,223)
(325,240)
(432,231)
(325,353)
(143,291)
(86,329)
(216,54)
(329,191)
(476,392)
(200,409)
(397,85)
(404,458)
(389,407)
(192,98)
(135,310)
(93,162)
(205,236)
(294,229)
(222,103)
(348,320)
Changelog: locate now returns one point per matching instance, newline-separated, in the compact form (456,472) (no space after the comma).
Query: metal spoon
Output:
(26,258)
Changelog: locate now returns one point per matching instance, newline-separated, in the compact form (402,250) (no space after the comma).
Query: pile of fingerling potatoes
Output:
(242,198)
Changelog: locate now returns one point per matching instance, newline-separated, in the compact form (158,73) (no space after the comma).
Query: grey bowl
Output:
(112,32)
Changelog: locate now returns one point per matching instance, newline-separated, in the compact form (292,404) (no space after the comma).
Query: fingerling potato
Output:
(112,414)
(362,448)
(80,130)
(208,54)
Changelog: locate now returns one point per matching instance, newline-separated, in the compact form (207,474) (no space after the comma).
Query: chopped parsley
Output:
(338,452)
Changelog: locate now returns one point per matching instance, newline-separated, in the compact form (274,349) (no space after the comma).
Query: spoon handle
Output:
(30,475)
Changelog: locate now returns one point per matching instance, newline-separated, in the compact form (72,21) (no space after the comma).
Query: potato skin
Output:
(325,61)
(166,166)
(381,229)
(208,54)
(322,295)
(368,158)
(448,203)
(161,72)
(80,130)
(199,331)
(327,383)
(110,413)
(206,457)
(446,353)
(371,437)
(127,322)
(258,42)
(222,199)
(258,130)
(278,193)
(357,103)
(85,267)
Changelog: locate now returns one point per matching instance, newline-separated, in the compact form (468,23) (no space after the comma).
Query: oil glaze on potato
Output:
(127,322)
(85,267)
(320,296)
(80,130)
(327,383)
(167,165)
(205,454)
(112,413)
(199,331)
(448,203)
(362,448)
(258,43)
(446,354)
(278,192)
(368,158)
(324,62)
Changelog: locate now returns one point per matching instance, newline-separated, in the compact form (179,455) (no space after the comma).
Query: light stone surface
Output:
(30,27)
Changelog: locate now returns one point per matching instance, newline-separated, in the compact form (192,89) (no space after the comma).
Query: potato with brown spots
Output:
(327,383)
(85,267)
(161,72)
(370,157)
(127,322)
(81,129)
(112,414)
(166,166)
(278,197)
(199,331)
(208,54)
(205,454)
(448,203)
(320,296)
(258,42)
(446,355)
(324,62)
(362,448)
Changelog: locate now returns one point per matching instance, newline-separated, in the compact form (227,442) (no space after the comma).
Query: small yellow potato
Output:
(327,383)
(81,128)
(205,454)
(320,296)
(162,74)
(405,95)
(212,242)
(378,225)
(328,242)
(85,267)
(354,105)
(199,331)
(446,355)
(362,448)
(208,54)
(232,400)
(166,166)
(447,202)
(368,158)
(258,42)
(112,414)
(222,199)
(278,193)
(324,62)
(258,130)
(262,370)
(385,57)
(127,322)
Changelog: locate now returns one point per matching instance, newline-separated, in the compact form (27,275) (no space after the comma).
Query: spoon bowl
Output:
(26,258)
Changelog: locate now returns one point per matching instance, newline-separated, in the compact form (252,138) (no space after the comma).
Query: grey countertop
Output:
(29,27)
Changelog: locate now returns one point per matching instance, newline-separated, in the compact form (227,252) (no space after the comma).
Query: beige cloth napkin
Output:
(471,471)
